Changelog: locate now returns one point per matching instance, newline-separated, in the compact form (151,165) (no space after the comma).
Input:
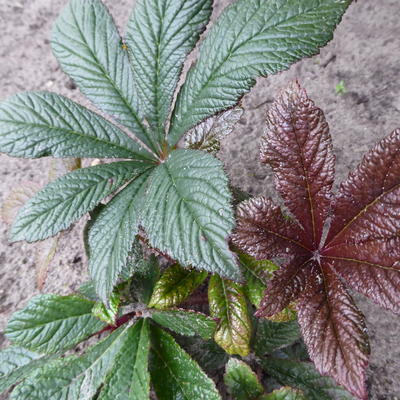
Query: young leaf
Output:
(72,377)
(242,383)
(191,222)
(51,323)
(87,45)
(160,34)
(40,124)
(252,38)
(109,313)
(228,304)
(284,394)
(208,134)
(112,233)
(174,374)
(66,199)
(175,286)
(184,322)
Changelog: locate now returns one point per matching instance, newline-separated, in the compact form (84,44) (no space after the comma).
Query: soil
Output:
(364,57)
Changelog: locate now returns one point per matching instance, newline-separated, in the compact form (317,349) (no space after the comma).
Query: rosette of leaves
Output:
(329,240)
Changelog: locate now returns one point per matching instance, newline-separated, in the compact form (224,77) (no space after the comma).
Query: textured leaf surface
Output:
(75,378)
(66,199)
(187,323)
(107,314)
(189,214)
(40,124)
(160,34)
(306,378)
(112,233)
(174,374)
(175,286)
(284,394)
(241,382)
(251,38)
(52,323)
(129,379)
(88,46)
(228,303)
(208,134)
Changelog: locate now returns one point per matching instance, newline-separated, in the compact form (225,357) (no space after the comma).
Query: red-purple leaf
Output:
(298,147)
(334,330)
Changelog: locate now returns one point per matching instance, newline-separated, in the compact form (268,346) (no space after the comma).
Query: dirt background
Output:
(364,55)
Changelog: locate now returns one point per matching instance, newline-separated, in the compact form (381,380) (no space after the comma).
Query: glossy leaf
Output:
(160,34)
(242,383)
(109,313)
(88,47)
(65,200)
(51,323)
(185,322)
(174,374)
(284,394)
(112,233)
(40,124)
(208,134)
(191,222)
(175,286)
(228,303)
(251,38)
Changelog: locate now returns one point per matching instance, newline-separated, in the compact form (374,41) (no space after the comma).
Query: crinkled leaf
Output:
(40,124)
(189,214)
(303,376)
(174,374)
(284,394)
(88,47)
(108,313)
(51,323)
(88,291)
(111,236)
(208,134)
(160,34)
(271,336)
(242,383)
(251,38)
(175,286)
(129,379)
(76,378)
(185,322)
(16,363)
(228,303)
(66,199)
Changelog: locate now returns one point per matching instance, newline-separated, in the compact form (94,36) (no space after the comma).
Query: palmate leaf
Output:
(228,303)
(39,124)
(51,323)
(174,374)
(65,200)
(252,38)
(160,34)
(87,45)
(188,212)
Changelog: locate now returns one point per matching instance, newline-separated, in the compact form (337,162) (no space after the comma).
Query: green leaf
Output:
(185,322)
(111,236)
(130,379)
(76,378)
(160,34)
(88,47)
(189,214)
(303,375)
(256,273)
(228,304)
(208,134)
(285,393)
(40,124)
(65,200)
(175,286)
(134,260)
(271,336)
(16,363)
(251,38)
(241,382)
(174,374)
(108,314)
(51,323)
(88,291)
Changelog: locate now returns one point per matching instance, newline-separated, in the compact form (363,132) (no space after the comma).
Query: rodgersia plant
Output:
(171,199)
